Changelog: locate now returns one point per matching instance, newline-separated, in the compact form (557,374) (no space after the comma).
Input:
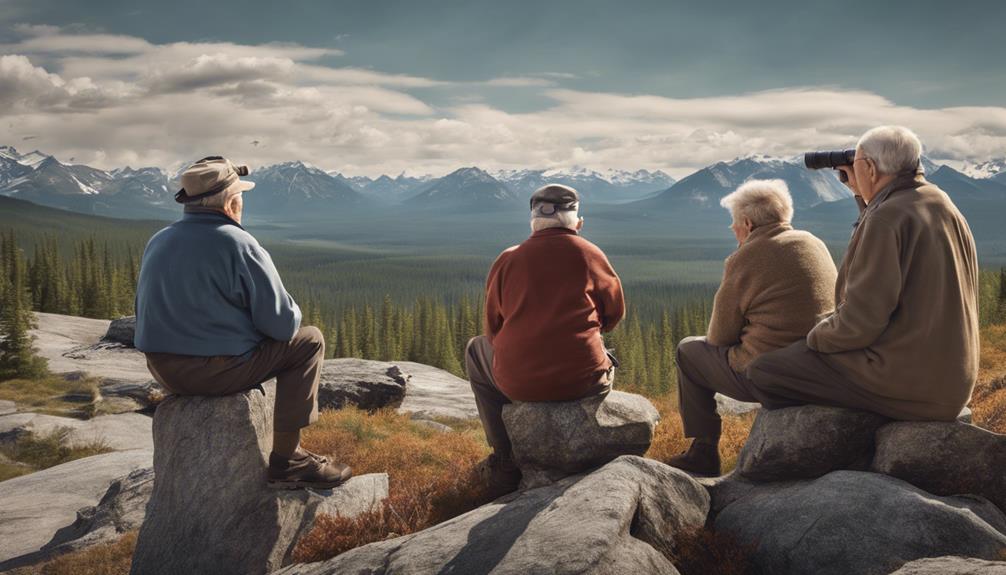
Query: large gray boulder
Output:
(34,507)
(852,522)
(362,383)
(622,518)
(944,458)
(210,510)
(952,566)
(121,331)
(555,439)
(807,441)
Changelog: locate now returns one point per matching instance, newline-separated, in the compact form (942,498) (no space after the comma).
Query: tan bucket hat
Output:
(211,176)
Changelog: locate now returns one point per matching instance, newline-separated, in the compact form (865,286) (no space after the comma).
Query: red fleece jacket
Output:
(547,302)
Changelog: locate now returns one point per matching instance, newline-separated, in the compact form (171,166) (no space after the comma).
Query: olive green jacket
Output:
(906,325)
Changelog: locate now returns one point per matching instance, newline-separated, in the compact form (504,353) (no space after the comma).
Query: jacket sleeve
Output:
(727,319)
(494,299)
(608,294)
(872,292)
(273,310)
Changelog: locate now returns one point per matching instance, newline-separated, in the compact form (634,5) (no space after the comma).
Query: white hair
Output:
(761,201)
(217,201)
(894,149)
(568,219)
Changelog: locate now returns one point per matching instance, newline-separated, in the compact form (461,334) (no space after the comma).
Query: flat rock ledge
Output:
(552,440)
(210,510)
(625,517)
(952,566)
(858,523)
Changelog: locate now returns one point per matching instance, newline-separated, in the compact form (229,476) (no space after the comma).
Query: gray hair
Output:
(893,148)
(761,201)
(560,219)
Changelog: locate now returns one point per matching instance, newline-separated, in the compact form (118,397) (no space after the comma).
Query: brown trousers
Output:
(704,370)
(490,400)
(798,375)
(296,365)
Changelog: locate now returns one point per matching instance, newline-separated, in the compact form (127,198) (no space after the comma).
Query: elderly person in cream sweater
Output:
(777,285)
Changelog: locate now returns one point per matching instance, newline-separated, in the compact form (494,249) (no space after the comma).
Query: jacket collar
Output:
(201,214)
(548,232)
(768,230)
(904,181)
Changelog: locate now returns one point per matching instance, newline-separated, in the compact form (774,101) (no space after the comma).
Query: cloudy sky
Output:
(369,87)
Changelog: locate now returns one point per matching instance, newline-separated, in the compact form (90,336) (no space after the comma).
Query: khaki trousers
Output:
(296,365)
(490,400)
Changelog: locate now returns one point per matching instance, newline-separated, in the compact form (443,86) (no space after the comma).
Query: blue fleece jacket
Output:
(208,288)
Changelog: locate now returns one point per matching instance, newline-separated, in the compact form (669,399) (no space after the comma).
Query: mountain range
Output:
(292,190)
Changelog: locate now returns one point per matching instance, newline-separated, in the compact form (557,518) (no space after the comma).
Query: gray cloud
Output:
(113,100)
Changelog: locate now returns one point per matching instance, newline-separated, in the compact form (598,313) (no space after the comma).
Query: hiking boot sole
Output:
(292,485)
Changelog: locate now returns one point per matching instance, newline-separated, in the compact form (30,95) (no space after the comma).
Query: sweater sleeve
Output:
(872,293)
(727,319)
(494,299)
(608,292)
(273,310)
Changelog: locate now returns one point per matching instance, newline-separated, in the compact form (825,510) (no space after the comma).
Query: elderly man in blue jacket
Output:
(213,318)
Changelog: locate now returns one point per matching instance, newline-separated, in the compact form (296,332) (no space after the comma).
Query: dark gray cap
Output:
(559,197)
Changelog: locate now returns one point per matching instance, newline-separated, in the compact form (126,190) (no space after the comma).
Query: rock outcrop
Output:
(34,507)
(623,518)
(850,523)
(944,458)
(952,566)
(552,440)
(807,442)
(121,331)
(210,510)
(362,383)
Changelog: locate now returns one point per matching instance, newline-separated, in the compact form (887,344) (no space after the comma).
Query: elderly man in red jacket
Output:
(548,300)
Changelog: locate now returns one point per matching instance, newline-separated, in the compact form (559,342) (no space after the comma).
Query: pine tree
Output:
(17,358)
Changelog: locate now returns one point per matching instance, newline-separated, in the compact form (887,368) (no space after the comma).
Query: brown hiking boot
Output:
(700,459)
(500,474)
(312,470)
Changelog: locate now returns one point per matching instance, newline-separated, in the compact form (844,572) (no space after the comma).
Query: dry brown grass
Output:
(989,400)
(703,551)
(430,476)
(106,559)
(669,439)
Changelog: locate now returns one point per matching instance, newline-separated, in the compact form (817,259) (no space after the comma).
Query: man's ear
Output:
(579,224)
(748,224)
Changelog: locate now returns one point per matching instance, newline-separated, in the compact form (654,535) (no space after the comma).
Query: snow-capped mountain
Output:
(995,168)
(706,187)
(464,189)
(610,186)
(293,187)
(387,189)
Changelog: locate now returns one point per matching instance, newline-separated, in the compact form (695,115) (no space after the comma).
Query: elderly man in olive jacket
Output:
(903,341)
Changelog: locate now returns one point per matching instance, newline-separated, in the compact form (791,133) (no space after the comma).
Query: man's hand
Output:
(850,177)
